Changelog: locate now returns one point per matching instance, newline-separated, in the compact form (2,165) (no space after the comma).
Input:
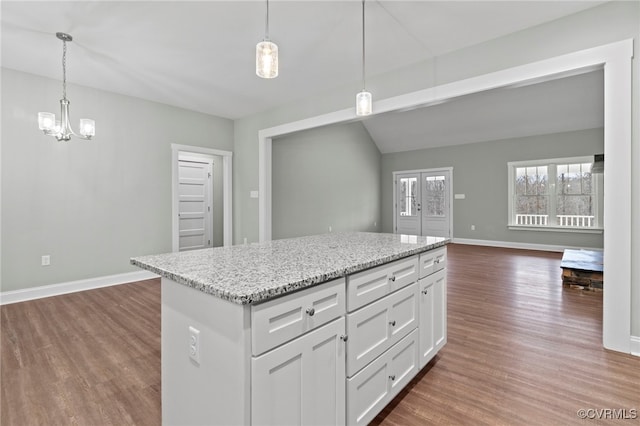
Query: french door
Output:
(423,203)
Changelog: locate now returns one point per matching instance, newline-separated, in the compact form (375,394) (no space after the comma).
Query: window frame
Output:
(552,163)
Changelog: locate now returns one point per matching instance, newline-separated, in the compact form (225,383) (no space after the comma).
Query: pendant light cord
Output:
(363,48)
(266,25)
(64,70)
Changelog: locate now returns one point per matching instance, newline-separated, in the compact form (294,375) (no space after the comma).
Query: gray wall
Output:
(325,177)
(91,205)
(483,165)
(607,23)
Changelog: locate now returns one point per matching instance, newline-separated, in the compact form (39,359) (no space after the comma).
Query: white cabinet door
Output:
(303,381)
(433,315)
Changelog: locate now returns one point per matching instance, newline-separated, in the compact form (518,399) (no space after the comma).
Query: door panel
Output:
(194,205)
(408,204)
(435,203)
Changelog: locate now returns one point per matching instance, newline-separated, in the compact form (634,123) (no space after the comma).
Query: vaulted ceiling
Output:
(200,55)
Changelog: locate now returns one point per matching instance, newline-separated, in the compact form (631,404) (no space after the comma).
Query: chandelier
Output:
(62,129)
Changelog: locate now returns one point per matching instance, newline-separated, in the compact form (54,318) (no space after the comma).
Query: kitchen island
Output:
(323,329)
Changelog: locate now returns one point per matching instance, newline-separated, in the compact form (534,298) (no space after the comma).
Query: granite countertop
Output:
(254,273)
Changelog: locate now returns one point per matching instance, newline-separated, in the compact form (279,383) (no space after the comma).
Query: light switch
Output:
(253,194)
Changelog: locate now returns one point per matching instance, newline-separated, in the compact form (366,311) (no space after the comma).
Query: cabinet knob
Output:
(392,323)
(310,311)
(344,337)
(425,291)
(392,278)
(392,377)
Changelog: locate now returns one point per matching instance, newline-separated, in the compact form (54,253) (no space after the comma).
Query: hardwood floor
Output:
(88,358)
(521,350)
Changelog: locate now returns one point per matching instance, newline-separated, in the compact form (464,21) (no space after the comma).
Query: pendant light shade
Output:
(267,59)
(363,103)
(364,100)
(267,54)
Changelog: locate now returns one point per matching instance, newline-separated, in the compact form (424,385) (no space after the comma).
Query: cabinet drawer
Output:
(369,391)
(378,326)
(432,261)
(282,319)
(366,286)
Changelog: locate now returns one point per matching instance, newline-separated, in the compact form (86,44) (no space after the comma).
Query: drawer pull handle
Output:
(310,311)
(392,278)
(392,323)
(436,261)
(392,377)
(344,337)
(425,291)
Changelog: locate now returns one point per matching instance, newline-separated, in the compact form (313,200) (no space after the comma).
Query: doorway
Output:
(422,202)
(221,230)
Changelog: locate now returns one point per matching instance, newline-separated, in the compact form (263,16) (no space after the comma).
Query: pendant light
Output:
(363,98)
(267,54)
(61,130)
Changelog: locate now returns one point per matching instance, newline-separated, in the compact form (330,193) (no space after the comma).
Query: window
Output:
(555,194)
(408,196)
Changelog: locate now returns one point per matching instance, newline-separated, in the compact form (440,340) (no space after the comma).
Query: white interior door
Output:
(195,196)
(436,203)
(408,204)
(423,203)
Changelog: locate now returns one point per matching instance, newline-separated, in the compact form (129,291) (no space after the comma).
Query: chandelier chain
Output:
(64,69)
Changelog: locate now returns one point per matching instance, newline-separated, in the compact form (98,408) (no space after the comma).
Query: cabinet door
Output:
(433,315)
(378,326)
(303,381)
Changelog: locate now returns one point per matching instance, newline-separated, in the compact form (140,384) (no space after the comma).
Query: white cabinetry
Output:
(301,382)
(330,354)
(433,315)
(379,382)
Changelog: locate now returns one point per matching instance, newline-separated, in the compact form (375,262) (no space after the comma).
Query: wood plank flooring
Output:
(521,350)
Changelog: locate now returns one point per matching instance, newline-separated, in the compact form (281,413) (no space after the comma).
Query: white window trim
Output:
(553,162)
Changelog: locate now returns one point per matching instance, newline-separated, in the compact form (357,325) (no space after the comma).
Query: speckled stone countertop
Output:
(254,273)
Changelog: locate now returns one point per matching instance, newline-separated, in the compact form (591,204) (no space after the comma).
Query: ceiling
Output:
(200,55)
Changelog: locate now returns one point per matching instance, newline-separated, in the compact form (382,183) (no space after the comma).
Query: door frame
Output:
(227,196)
(616,61)
(419,171)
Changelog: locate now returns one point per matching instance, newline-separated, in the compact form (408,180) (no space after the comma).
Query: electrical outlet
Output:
(329,228)
(473,227)
(194,344)
(46,260)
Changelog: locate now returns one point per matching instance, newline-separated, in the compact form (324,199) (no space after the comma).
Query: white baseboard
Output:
(32,293)
(524,246)
(635,345)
